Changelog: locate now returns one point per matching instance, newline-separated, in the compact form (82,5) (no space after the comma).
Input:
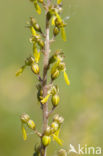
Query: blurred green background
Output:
(81,103)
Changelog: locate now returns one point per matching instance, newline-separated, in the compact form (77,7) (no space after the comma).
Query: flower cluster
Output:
(25,120)
(53,131)
(55,64)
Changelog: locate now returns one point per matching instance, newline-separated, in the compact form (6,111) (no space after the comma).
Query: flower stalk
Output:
(45,69)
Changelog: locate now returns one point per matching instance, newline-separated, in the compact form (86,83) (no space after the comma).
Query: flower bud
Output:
(54,126)
(40,1)
(55,74)
(32,21)
(54,90)
(35,68)
(61,66)
(48,131)
(37,149)
(62,152)
(58,23)
(46,140)
(35,25)
(58,119)
(52,59)
(41,43)
(29,61)
(59,8)
(61,120)
(25,118)
(59,1)
(40,94)
(55,100)
(60,58)
(31,124)
(56,31)
(49,15)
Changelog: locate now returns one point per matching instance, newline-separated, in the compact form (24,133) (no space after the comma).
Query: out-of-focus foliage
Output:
(81,103)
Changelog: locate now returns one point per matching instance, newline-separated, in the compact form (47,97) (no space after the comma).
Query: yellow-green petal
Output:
(45,99)
(36,54)
(33,31)
(66,78)
(58,17)
(57,132)
(54,67)
(37,7)
(53,20)
(37,57)
(24,132)
(59,1)
(20,71)
(57,139)
(63,34)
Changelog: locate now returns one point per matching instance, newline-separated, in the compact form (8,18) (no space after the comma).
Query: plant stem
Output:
(45,69)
